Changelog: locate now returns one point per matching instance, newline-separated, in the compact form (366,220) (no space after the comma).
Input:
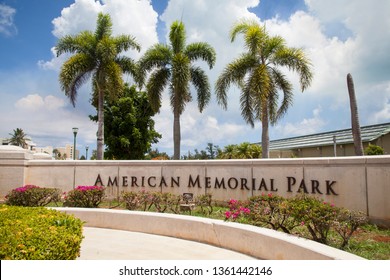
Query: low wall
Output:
(357,183)
(258,242)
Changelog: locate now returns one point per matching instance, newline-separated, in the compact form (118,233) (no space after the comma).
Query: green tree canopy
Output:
(129,127)
(18,138)
(244,150)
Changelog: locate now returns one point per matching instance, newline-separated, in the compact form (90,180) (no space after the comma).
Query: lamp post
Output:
(75,129)
(86,152)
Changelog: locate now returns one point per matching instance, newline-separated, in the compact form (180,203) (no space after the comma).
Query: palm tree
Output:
(172,65)
(96,55)
(257,73)
(18,138)
(357,139)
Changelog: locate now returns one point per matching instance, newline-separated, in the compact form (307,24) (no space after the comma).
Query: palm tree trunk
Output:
(100,133)
(354,117)
(265,131)
(176,134)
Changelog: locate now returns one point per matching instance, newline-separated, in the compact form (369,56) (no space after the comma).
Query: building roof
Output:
(368,134)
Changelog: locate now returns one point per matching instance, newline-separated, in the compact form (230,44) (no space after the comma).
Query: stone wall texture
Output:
(357,183)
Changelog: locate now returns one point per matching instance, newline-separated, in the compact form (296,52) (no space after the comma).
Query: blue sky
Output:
(339,36)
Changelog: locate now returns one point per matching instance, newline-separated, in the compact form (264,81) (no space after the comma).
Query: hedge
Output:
(37,233)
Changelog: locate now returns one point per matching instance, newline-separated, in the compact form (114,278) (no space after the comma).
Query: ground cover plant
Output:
(37,233)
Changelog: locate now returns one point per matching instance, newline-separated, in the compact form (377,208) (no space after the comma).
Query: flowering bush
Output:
(204,201)
(237,211)
(347,223)
(84,196)
(146,200)
(131,199)
(311,213)
(271,210)
(315,214)
(33,196)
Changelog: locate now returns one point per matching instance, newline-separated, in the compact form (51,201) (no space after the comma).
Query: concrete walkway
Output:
(108,244)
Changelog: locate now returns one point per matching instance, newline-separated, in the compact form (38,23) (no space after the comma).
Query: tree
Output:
(19,138)
(258,74)
(357,139)
(172,66)
(244,150)
(96,55)
(129,127)
(156,155)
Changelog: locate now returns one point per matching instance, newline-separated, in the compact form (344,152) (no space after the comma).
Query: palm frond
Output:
(202,51)
(233,73)
(286,87)
(80,43)
(129,66)
(74,73)
(201,83)
(295,59)
(247,104)
(106,50)
(103,26)
(113,82)
(158,80)
(177,36)
(126,42)
(159,55)
(241,27)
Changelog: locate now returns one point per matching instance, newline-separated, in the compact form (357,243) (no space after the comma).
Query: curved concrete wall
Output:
(258,242)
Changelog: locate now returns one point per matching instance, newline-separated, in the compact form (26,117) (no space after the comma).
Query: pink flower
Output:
(302,223)
(228,214)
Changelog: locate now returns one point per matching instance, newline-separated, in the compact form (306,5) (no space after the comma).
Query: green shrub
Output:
(32,196)
(306,216)
(205,201)
(346,223)
(84,196)
(131,199)
(271,210)
(315,214)
(37,233)
(146,200)
(373,150)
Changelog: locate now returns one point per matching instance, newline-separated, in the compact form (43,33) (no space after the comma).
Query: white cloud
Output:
(35,102)
(49,121)
(384,114)
(305,126)
(131,17)
(7,26)
(360,48)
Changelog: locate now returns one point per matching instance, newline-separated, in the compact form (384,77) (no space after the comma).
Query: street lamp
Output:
(86,152)
(75,129)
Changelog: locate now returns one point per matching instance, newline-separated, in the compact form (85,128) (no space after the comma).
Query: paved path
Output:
(107,244)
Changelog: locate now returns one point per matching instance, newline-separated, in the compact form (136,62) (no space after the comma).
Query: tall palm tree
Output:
(258,74)
(19,138)
(357,139)
(96,55)
(172,65)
